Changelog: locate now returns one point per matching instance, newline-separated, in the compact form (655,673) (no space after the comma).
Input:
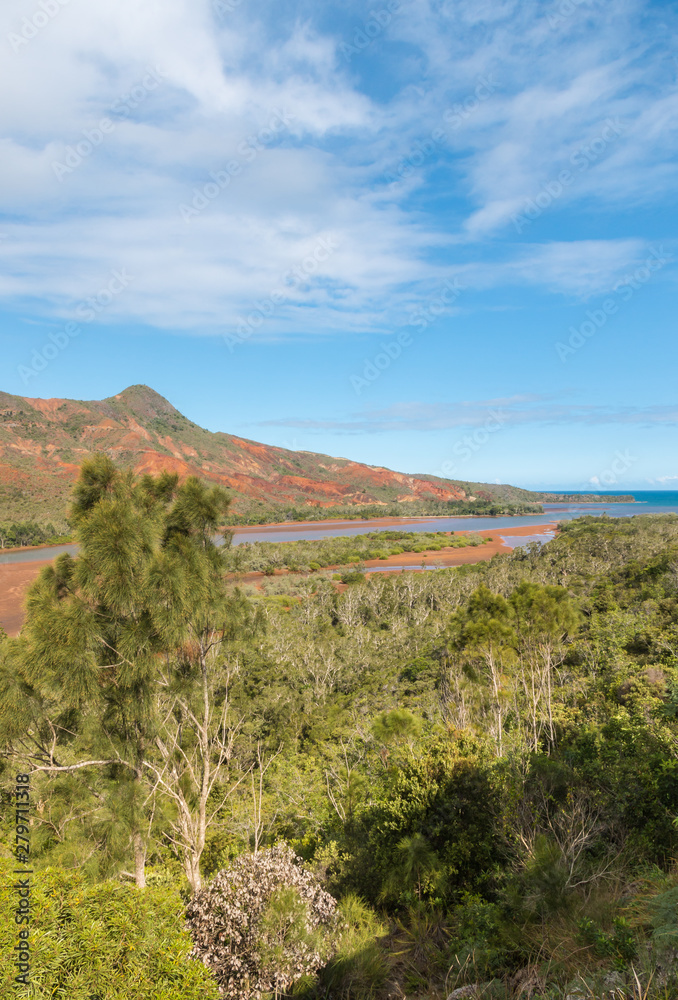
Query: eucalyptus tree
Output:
(544,618)
(485,636)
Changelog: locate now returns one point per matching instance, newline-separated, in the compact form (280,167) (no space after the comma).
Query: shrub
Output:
(618,945)
(106,940)
(263,923)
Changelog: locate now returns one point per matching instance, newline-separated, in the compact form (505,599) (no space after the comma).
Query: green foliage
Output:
(663,914)
(398,724)
(641,779)
(432,827)
(87,690)
(22,533)
(313,554)
(539,890)
(619,944)
(416,873)
(101,940)
(359,966)
(485,755)
(479,946)
(284,932)
(260,512)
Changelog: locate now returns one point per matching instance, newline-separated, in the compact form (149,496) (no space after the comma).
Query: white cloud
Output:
(324,172)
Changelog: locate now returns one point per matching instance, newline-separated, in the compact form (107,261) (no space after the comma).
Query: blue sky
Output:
(436,236)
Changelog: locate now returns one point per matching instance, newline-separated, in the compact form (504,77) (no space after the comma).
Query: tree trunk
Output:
(548,664)
(138,840)
(192,869)
(139,860)
(499,715)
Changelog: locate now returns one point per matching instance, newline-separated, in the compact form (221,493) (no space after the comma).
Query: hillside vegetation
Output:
(263,514)
(44,441)
(480,764)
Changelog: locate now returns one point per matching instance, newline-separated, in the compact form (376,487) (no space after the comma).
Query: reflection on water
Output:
(519,541)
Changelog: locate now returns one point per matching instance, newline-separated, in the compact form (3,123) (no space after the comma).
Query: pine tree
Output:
(117,669)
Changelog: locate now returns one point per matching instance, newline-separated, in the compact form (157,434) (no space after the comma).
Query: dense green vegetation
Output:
(481,763)
(312,554)
(257,512)
(22,533)
(102,939)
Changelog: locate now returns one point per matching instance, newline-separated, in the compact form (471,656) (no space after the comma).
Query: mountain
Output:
(43,442)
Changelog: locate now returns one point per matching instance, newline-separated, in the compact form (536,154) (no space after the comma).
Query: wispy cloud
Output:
(223,77)
(519,410)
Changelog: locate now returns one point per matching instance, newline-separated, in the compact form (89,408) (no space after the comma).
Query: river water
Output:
(647,502)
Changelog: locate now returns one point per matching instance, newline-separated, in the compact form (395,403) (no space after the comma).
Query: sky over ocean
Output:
(436,236)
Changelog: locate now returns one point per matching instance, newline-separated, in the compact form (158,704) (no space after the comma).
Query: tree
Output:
(417,868)
(433,821)
(195,770)
(119,664)
(544,617)
(484,633)
(90,643)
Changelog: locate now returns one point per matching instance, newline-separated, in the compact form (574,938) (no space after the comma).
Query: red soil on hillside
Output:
(142,431)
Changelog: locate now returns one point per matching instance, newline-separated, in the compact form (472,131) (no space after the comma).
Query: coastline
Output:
(459,557)
(32,548)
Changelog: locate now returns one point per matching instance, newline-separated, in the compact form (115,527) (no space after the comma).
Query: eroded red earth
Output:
(43,442)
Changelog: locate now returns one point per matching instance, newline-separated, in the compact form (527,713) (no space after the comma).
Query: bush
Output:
(449,794)
(108,941)
(263,923)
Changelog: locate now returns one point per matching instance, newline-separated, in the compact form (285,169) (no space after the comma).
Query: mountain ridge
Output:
(44,441)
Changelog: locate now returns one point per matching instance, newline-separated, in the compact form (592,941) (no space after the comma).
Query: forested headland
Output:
(478,764)
(256,512)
